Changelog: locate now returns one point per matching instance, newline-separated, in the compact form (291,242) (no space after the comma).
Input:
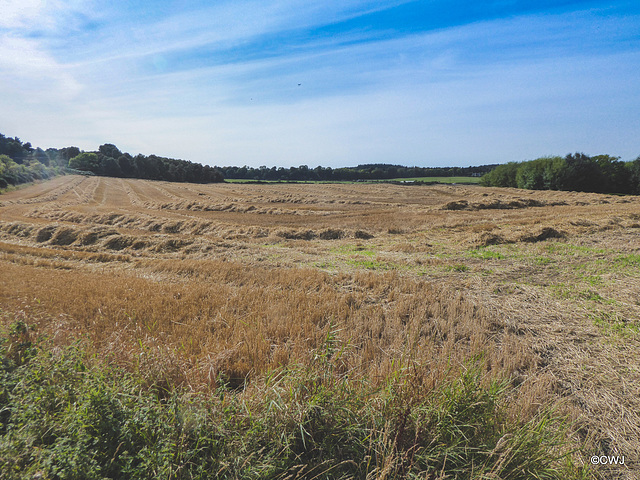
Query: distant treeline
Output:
(21,163)
(111,162)
(377,171)
(575,172)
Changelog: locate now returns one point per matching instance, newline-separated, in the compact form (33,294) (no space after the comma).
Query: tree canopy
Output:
(20,163)
(576,172)
(109,161)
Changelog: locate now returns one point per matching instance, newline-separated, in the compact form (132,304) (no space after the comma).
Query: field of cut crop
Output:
(223,287)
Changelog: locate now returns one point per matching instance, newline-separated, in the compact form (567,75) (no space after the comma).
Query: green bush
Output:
(12,173)
(86,161)
(501,176)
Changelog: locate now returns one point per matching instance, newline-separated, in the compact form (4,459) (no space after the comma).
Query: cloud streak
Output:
(220,84)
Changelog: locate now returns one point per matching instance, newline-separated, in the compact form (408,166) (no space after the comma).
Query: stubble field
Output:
(198,286)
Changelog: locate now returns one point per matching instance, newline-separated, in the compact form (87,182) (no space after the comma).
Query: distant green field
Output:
(411,179)
(438,179)
(244,180)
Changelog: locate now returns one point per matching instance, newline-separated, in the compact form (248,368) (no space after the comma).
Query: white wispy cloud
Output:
(221,25)
(29,70)
(23,13)
(50,16)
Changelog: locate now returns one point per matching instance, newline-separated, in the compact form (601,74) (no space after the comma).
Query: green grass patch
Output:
(474,180)
(628,261)
(324,265)
(562,291)
(353,249)
(250,180)
(591,296)
(458,267)
(539,260)
(593,280)
(362,257)
(568,249)
(485,254)
(573,292)
(370,264)
(614,325)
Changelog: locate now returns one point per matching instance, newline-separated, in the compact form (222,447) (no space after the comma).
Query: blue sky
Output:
(332,83)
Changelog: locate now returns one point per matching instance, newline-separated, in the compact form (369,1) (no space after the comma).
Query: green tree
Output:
(110,167)
(530,175)
(633,171)
(501,176)
(614,173)
(69,152)
(37,171)
(581,174)
(41,156)
(552,170)
(126,165)
(86,161)
(110,150)
(5,160)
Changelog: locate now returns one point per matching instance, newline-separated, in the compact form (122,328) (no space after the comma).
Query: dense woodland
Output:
(111,162)
(21,163)
(575,172)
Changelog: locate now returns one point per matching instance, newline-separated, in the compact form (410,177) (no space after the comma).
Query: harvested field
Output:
(192,285)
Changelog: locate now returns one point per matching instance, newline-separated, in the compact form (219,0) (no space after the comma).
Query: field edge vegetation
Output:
(68,414)
(574,172)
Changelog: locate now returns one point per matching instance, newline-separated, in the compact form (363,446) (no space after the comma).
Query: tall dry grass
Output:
(211,319)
